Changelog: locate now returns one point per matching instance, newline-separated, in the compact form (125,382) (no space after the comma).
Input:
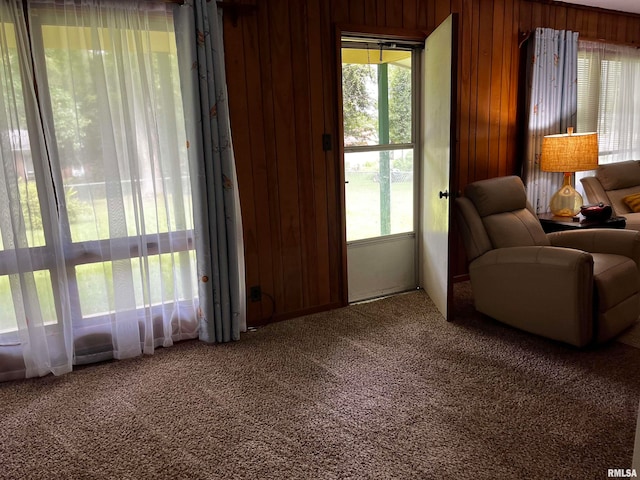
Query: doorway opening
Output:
(399,123)
(380,125)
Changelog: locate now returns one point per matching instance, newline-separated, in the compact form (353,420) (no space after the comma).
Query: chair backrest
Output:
(495,213)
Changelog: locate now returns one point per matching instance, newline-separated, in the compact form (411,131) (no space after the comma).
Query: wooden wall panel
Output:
(442,11)
(483,99)
(381,13)
(356,11)
(282,75)
(474,94)
(463,94)
(286,131)
(370,14)
(510,164)
(304,154)
(393,14)
(334,174)
(319,157)
(269,197)
(423,17)
(409,14)
(496,51)
(262,236)
(236,68)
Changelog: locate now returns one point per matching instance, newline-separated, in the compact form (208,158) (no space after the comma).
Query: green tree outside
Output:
(359,108)
(399,104)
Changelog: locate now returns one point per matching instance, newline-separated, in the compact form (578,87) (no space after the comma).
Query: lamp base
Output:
(566,202)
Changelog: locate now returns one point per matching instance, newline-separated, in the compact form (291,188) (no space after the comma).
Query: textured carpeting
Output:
(385,389)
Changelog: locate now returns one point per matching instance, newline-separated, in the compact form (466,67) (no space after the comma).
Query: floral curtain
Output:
(551,105)
(218,231)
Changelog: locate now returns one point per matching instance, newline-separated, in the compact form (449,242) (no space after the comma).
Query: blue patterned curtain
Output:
(218,225)
(552,104)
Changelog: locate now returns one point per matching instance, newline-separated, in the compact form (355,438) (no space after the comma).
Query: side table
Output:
(551,223)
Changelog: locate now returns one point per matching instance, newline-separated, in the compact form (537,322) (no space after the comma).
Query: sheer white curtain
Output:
(96,183)
(609,98)
(35,330)
(551,104)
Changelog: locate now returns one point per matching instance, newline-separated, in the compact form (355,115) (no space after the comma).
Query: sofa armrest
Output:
(544,290)
(535,269)
(594,190)
(633,221)
(600,240)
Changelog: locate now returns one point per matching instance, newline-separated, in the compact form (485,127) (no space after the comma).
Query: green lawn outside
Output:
(95,280)
(363,206)
(45,297)
(95,286)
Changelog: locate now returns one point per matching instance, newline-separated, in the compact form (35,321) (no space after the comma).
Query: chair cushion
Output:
(615,278)
(501,202)
(614,176)
(497,195)
(474,235)
(518,228)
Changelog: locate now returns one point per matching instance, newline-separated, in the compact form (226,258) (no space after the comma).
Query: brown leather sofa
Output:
(578,286)
(611,184)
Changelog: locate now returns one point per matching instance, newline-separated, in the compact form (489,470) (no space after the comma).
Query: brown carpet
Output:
(385,389)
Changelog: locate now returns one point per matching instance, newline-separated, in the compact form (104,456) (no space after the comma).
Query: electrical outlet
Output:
(255,293)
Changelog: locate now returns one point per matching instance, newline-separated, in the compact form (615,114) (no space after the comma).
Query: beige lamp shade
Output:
(569,152)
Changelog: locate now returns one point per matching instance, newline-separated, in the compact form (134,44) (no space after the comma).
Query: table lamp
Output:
(568,153)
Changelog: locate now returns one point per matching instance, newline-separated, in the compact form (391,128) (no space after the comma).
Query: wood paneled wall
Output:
(282,80)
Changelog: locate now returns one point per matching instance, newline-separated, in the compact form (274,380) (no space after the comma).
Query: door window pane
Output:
(379,203)
(378,111)
(377,101)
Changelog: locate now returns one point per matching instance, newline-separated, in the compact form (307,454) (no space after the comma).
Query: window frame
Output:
(76,253)
(587,122)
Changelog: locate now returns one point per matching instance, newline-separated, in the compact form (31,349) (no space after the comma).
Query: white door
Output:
(438,147)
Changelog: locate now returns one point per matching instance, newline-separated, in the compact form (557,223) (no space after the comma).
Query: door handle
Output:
(444,194)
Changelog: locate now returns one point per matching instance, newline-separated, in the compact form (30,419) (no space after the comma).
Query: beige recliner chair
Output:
(578,286)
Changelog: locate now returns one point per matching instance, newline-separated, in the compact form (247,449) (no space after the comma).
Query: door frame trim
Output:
(453,156)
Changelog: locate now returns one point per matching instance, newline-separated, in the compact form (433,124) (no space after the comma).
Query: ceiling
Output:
(631,6)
